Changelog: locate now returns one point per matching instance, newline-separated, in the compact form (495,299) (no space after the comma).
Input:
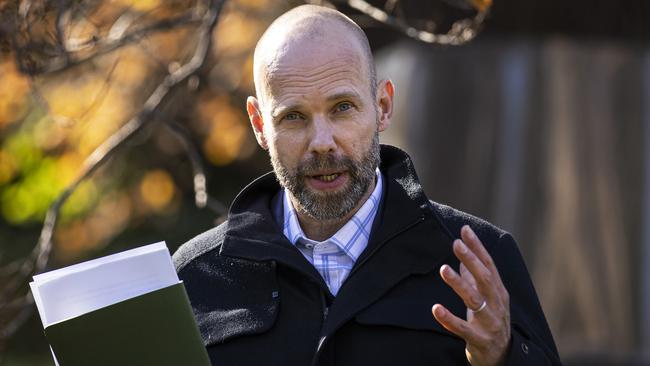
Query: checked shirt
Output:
(334,257)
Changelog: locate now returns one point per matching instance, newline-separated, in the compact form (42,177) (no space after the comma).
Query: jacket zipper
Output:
(326,308)
(322,339)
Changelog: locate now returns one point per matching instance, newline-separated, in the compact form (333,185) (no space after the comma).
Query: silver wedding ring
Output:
(480,308)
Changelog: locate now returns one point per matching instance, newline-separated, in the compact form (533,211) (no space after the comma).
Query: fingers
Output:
(473,255)
(487,329)
(482,276)
(464,288)
(474,243)
(466,274)
(454,324)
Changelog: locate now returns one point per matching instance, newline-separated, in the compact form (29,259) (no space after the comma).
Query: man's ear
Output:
(255,116)
(385,93)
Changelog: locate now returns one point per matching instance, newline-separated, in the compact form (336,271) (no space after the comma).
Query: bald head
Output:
(306,27)
(319,112)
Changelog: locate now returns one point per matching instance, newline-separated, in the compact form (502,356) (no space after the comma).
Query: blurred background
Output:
(122,123)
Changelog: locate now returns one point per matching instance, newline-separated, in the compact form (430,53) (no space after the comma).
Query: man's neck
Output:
(320,230)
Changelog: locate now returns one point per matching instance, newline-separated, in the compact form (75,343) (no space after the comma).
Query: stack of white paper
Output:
(78,289)
(81,288)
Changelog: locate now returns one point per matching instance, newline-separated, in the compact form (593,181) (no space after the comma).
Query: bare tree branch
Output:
(41,252)
(101,94)
(65,60)
(461,31)
(201,197)
(61,15)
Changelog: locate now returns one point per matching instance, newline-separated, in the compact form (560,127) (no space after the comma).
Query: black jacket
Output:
(258,301)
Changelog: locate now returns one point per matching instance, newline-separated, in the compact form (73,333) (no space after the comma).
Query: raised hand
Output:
(487,329)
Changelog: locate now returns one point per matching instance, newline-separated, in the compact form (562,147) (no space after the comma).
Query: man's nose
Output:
(322,136)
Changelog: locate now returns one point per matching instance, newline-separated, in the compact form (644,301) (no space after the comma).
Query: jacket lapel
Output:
(253,233)
(407,239)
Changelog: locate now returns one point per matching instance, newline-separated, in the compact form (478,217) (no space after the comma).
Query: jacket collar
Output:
(408,238)
(405,213)
(252,232)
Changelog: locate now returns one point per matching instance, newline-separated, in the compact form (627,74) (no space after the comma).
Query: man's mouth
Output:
(327,178)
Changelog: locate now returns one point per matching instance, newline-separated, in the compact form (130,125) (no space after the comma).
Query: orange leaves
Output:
(110,217)
(236,32)
(224,141)
(7,167)
(255,4)
(14,93)
(481,5)
(68,166)
(75,108)
(227,131)
(132,68)
(157,189)
(140,5)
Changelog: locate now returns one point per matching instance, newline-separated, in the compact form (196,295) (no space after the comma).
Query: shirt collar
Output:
(353,237)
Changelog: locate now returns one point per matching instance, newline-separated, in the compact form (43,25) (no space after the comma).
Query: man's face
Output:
(321,125)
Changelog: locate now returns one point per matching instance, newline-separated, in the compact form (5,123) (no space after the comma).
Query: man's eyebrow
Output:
(344,95)
(281,109)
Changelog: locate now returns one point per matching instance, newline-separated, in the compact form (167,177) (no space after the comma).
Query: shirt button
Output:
(309,246)
(524,347)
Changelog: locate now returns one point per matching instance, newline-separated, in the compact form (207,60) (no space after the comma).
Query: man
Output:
(339,258)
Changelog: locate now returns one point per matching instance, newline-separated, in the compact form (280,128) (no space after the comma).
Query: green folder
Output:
(157,328)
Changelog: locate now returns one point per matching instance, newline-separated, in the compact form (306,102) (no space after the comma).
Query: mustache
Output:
(325,162)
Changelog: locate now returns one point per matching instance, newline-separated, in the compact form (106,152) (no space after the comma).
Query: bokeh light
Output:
(14,91)
(157,189)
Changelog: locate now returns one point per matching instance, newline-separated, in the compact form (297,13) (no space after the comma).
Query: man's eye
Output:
(342,107)
(292,116)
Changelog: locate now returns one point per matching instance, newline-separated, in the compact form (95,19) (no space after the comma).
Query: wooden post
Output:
(645,259)
(515,99)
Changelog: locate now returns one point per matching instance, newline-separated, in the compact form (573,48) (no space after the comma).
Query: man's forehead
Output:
(321,65)
(308,64)
(307,51)
(293,83)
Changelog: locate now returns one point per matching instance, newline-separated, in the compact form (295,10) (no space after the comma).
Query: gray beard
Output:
(331,205)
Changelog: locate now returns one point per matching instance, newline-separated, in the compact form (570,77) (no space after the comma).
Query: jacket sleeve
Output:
(531,343)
